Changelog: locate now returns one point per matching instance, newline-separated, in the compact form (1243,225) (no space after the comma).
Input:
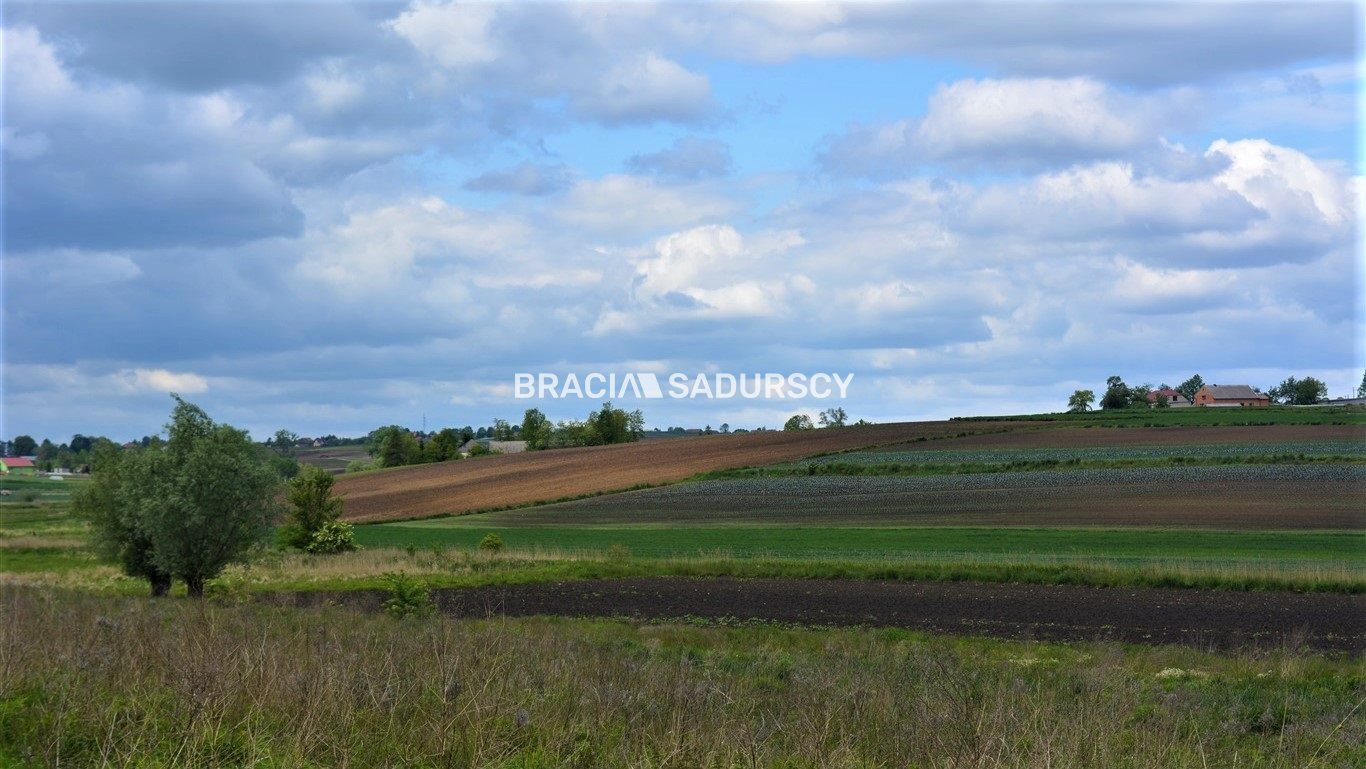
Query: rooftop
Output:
(1222,392)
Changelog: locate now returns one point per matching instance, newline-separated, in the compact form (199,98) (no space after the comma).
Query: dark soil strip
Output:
(1201,618)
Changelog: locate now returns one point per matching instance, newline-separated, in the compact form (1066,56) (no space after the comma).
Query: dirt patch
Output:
(540,476)
(1068,436)
(1200,618)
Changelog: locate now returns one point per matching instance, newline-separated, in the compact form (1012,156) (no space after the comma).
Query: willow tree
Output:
(185,508)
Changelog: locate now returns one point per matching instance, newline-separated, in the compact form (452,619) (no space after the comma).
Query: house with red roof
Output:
(17,466)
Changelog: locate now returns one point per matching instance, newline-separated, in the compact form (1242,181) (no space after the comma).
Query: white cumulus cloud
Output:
(160,380)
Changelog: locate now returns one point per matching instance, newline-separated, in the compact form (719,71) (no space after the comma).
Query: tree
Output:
(1080,401)
(1190,387)
(393,446)
(1116,394)
(1361,389)
(81,443)
(833,417)
(1298,392)
(285,441)
(1138,396)
(184,508)
(443,446)
(535,429)
(501,431)
(210,501)
(24,446)
(613,425)
(725,428)
(113,514)
(798,422)
(312,508)
(573,433)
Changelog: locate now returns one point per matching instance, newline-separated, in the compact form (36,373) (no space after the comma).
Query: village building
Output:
(499,447)
(1174,397)
(1230,395)
(17,466)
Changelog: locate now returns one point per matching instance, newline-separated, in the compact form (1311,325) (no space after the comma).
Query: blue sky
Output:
(328,217)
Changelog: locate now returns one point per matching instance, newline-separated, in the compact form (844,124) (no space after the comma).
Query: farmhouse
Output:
(1174,398)
(1230,395)
(17,466)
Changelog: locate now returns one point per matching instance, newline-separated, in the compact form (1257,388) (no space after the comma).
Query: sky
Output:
(328,217)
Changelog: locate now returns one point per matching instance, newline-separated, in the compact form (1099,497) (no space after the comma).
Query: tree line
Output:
(395,446)
(1118,395)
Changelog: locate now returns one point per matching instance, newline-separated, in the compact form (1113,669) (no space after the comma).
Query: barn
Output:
(1230,395)
(17,466)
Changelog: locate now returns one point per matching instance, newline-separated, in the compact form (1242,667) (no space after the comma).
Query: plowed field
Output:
(541,476)
(544,476)
(1202,618)
(1234,497)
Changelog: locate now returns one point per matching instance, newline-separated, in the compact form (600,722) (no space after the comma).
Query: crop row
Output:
(1348,474)
(1096,453)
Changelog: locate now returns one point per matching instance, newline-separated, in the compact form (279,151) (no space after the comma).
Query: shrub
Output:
(312,508)
(359,466)
(491,542)
(408,597)
(333,537)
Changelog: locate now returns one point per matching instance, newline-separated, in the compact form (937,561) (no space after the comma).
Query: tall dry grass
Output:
(87,681)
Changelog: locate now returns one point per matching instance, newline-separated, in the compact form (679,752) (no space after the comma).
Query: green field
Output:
(885,542)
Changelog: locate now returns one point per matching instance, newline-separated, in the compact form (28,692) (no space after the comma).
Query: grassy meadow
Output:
(174,683)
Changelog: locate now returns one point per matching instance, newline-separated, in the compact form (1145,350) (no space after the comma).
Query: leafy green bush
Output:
(313,511)
(360,466)
(408,597)
(491,542)
(333,537)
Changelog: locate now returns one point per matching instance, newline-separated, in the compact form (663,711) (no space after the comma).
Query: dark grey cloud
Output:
(205,46)
(522,179)
(111,204)
(690,157)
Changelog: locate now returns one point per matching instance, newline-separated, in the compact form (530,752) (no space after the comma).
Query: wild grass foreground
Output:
(87,680)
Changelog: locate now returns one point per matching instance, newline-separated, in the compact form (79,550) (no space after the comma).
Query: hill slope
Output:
(541,476)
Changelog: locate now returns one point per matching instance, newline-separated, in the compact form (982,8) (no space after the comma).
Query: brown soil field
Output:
(1202,618)
(333,459)
(541,476)
(1066,435)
